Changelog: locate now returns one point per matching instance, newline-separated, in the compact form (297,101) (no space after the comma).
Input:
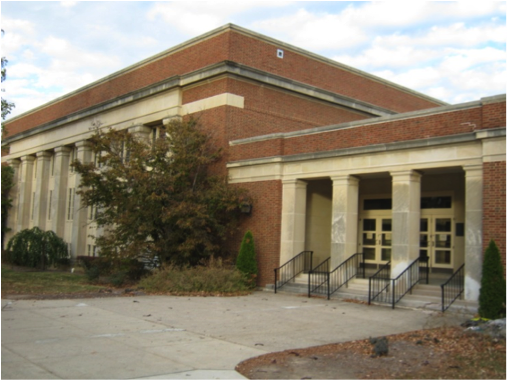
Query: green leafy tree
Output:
(37,248)
(158,199)
(246,262)
(7,184)
(492,293)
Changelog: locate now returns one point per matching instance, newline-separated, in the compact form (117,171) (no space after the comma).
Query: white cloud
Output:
(68,4)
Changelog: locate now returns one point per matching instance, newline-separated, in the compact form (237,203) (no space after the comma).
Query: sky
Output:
(452,51)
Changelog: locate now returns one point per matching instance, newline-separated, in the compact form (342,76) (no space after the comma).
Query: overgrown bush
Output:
(211,279)
(246,262)
(116,271)
(492,293)
(37,248)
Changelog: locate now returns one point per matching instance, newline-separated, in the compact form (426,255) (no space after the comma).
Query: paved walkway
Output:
(163,337)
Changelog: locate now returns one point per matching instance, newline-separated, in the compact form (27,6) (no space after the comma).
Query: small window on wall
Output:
(72,158)
(378,204)
(50,204)
(52,164)
(436,202)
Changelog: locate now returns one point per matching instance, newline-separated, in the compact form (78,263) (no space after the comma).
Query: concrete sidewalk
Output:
(163,337)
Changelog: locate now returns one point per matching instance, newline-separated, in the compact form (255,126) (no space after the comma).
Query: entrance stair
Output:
(424,296)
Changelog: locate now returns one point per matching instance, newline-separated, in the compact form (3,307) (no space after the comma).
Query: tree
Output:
(492,293)
(7,184)
(6,106)
(246,262)
(159,199)
(37,248)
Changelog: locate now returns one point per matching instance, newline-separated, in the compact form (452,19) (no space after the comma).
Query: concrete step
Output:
(423,296)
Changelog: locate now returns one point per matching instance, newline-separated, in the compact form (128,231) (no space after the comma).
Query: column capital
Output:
(43,154)
(474,169)
(407,175)
(295,182)
(14,162)
(63,150)
(139,129)
(345,180)
(83,144)
(27,158)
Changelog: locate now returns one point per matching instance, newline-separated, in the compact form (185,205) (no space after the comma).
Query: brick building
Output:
(338,161)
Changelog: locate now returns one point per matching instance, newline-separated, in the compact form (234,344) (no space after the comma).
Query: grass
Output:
(44,282)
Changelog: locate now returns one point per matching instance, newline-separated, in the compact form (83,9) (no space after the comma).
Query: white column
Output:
(80,220)
(25,192)
(12,214)
(473,230)
(141,132)
(345,218)
(406,215)
(61,174)
(293,219)
(41,192)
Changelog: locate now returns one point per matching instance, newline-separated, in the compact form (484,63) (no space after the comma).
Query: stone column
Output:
(406,215)
(344,219)
(80,220)
(25,192)
(473,230)
(61,174)
(293,219)
(141,132)
(41,193)
(12,214)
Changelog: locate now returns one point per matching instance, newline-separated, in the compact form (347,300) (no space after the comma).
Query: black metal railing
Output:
(453,288)
(348,269)
(379,283)
(318,278)
(292,268)
(405,282)
(382,288)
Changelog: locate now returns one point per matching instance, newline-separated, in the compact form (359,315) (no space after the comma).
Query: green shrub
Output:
(36,248)
(211,279)
(120,270)
(246,262)
(492,293)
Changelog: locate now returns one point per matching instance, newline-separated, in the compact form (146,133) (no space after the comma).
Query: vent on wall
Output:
(279,53)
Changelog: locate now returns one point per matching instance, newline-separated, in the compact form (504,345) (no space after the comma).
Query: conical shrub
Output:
(246,262)
(492,293)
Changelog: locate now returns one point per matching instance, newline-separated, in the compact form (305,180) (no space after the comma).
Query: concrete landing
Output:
(163,337)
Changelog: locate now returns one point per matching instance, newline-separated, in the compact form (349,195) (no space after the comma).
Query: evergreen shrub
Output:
(492,293)
(246,262)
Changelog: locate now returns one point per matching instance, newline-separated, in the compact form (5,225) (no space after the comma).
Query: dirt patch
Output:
(446,353)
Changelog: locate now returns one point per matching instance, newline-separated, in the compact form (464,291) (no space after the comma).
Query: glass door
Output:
(375,239)
(436,241)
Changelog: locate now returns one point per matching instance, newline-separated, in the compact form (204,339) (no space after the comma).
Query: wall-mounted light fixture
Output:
(246,208)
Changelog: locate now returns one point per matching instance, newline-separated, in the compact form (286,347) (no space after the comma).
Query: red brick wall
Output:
(258,54)
(494,205)
(493,115)
(226,46)
(445,124)
(265,225)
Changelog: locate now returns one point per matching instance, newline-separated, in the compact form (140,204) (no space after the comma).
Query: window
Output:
(72,158)
(93,212)
(378,204)
(442,202)
(70,205)
(52,165)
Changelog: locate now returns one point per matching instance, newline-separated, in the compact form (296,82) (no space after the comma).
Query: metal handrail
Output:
(290,269)
(406,281)
(453,287)
(380,280)
(318,278)
(345,271)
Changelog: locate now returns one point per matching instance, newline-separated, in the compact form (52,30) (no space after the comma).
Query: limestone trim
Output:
(225,99)
(406,217)
(473,229)
(345,216)
(293,219)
